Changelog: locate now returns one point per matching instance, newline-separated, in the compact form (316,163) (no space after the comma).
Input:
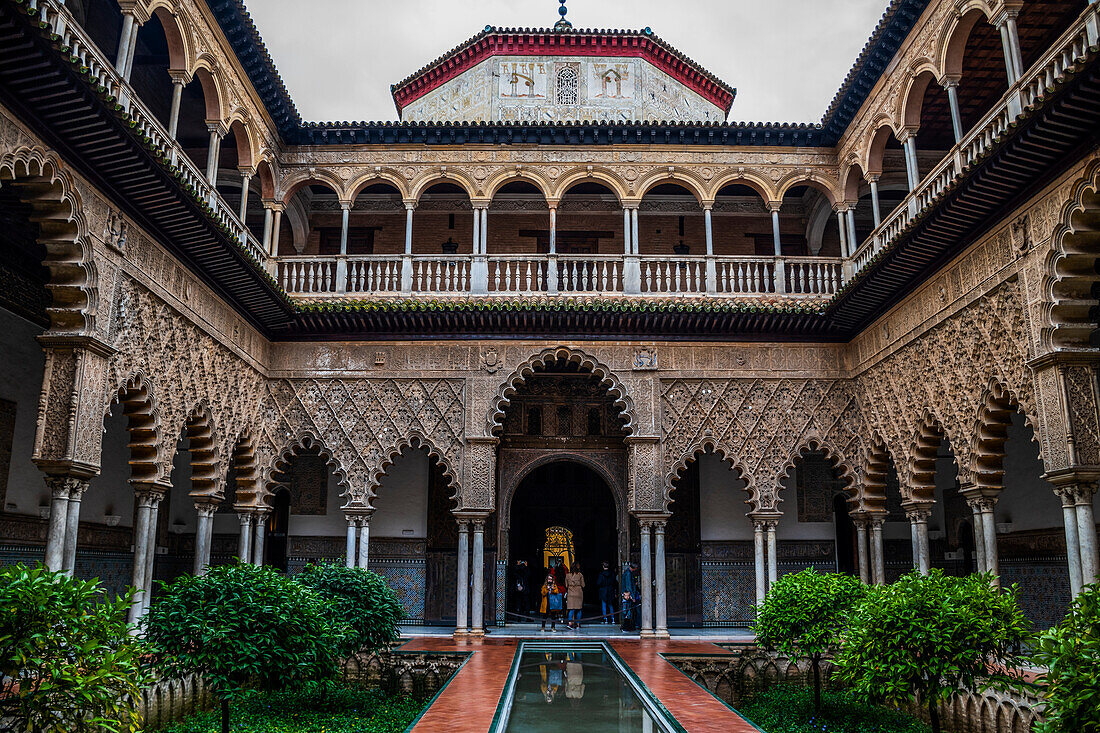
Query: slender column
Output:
(477,231)
(952,88)
(634,231)
(244,543)
(72,523)
(876,209)
(989,533)
(125,39)
(151,554)
(1014,44)
(147,502)
(659,577)
(1006,46)
(462,590)
(246,178)
(349,544)
(711,270)
(553,230)
(842,225)
(213,146)
(709,229)
(878,559)
(131,50)
(1086,534)
(203,535)
(758,555)
(861,550)
(626,231)
(1073,540)
(55,534)
(364,542)
(912,169)
(646,557)
(979,537)
(853,240)
(485,230)
(773,552)
(918,518)
(409,207)
(178,83)
(477,602)
(267,230)
(260,537)
(345,215)
(276,226)
(777,242)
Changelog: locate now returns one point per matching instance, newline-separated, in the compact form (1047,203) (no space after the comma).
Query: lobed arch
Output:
(676,178)
(384,175)
(872,497)
(833,456)
(443,176)
(136,397)
(921,484)
(1071,274)
(623,400)
(757,183)
(206,473)
(591,175)
(826,186)
(246,464)
(493,186)
(952,42)
(702,447)
(41,181)
(280,464)
(987,450)
(414,440)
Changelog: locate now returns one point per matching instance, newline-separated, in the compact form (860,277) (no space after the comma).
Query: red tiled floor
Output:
(469,702)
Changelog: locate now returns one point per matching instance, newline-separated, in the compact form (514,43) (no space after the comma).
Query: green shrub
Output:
(67,659)
(803,614)
(928,636)
(242,627)
(359,600)
(1071,651)
(790,709)
(309,709)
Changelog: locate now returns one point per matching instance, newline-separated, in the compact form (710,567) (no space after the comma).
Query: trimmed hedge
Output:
(790,709)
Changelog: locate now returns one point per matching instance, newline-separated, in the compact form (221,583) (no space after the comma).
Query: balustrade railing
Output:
(980,140)
(100,71)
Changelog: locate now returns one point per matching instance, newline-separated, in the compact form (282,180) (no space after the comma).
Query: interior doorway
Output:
(570,496)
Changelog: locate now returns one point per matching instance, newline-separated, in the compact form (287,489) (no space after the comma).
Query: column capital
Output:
(707,204)
(275,206)
(841,207)
(63,487)
(135,8)
(247,171)
(774,206)
(906,134)
(631,204)
(480,204)
(180,76)
(346,205)
(877,521)
(410,204)
(217,127)
(872,177)
(950,81)
(918,513)
(552,204)
(206,508)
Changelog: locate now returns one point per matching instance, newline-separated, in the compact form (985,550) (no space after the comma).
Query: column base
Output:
(647,634)
(476,632)
(461,633)
(661,634)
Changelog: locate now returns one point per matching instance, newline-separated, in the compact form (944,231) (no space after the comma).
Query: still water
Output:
(574,690)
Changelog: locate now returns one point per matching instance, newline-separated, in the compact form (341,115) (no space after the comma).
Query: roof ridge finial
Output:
(563,24)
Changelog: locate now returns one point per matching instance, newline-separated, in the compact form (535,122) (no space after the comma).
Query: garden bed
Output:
(311,709)
(790,709)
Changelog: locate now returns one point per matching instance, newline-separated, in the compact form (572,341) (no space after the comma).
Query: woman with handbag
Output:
(552,601)
(574,595)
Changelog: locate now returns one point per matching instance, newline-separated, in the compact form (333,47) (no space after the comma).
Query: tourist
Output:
(560,571)
(605,583)
(552,596)
(574,590)
(520,590)
(632,596)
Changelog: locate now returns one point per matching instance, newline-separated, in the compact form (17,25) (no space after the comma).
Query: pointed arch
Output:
(608,379)
(414,440)
(206,474)
(136,398)
(40,180)
(302,442)
(702,447)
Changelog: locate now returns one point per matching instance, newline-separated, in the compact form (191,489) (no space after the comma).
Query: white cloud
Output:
(785,57)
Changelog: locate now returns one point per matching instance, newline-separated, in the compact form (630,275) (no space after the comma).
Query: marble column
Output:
(244,544)
(147,502)
(878,558)
(55,534)
(989,537)
(951,86)
(773,552)
(918,520)
(627,249)
(259,537)
(204,534)
(345,219)
(842,225)
(661,595)
(861,549)
(246,179)
(124,41)
(646,557)
(912,167)
(212,150)
(364,542)
(178,83)
(853,238)
(151,554)
(876,208)
(349,544)
(758,555)
(1086,534)
(462,588)
(979,537)
(72,523)
(276,228)
(477,231)
(553,230)
(477,602)
(777,240)
(1073,541)
(268,214)
(634,231)
(1010,59)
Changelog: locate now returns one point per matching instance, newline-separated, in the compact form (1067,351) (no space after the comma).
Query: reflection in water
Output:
(574,691)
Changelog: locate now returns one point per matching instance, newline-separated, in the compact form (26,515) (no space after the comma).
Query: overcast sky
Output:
(786,58)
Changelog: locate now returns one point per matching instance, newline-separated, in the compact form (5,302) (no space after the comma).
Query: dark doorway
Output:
(847,560)
(275,544)
(570,495)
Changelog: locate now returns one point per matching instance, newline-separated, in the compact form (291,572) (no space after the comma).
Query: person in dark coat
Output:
(632,597)
(605,583)
(521,592)
(560,571)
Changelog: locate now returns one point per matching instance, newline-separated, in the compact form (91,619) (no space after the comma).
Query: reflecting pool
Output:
(556,689)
